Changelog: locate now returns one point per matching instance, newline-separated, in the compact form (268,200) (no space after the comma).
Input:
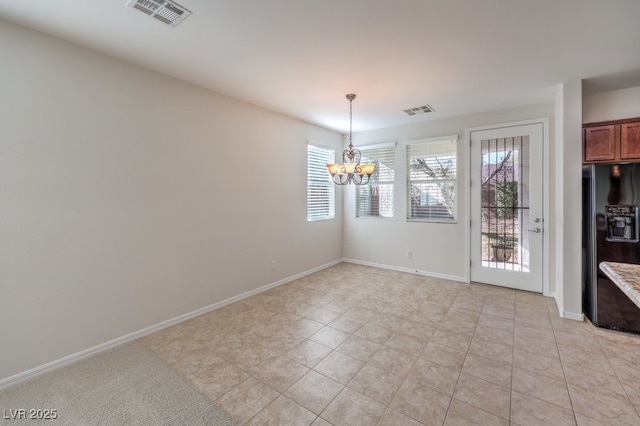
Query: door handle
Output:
(535,230)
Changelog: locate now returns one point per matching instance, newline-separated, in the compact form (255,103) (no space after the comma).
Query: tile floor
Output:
(354,345)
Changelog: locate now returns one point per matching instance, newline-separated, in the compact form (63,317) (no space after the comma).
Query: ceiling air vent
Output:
(168,12)
(419,110)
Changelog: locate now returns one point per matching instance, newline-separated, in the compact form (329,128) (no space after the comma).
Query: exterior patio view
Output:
(505,203)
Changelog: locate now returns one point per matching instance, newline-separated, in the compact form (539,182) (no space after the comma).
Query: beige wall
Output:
(568,219)
(611,105)
(128,198)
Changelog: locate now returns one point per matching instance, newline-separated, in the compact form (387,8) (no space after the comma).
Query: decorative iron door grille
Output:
(505,203)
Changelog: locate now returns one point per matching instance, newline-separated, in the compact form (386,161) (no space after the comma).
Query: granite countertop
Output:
(626,276)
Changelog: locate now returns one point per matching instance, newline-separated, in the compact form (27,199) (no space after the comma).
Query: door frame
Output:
(545,195)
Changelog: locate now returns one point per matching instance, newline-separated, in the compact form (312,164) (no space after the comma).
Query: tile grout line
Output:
(564,375)
(467,353)
(364,364)
(404,379)
(637,409)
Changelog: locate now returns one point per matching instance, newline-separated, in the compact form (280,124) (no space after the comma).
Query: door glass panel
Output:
(505,203)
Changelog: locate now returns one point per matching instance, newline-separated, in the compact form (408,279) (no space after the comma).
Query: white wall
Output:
(611,105)
(438,248)
(128,198)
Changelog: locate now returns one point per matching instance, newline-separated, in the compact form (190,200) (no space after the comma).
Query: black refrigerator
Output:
(610,196)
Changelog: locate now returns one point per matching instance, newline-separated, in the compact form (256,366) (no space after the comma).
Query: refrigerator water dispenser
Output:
(622,223)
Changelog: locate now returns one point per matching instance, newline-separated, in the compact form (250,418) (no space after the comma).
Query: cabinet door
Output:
(600,143)
(630,141)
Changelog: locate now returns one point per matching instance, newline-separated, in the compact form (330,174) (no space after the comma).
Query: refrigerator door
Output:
(589,294)
(610,194)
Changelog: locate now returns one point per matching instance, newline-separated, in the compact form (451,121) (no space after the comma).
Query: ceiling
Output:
(300,57)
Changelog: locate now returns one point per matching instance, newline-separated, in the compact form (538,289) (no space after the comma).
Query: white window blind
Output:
(432,179)
(321,196)
(376,198)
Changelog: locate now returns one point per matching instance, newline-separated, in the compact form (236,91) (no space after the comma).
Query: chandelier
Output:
(351,171)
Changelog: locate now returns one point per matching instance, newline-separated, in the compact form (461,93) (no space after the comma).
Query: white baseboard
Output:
(576,316)
(572,316)
(20,377)
(408,270)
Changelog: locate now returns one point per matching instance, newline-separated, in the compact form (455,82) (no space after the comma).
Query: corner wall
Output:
(569,200)
(128,198)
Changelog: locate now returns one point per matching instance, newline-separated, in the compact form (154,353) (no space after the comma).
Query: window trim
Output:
(408,181)
(332,202)
(384,145)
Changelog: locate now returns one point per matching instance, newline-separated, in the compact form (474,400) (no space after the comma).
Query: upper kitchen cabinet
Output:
(612,141)
(630,141)
(600,143)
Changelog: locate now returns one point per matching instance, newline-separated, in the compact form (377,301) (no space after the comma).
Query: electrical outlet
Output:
(409,254)
(274,264)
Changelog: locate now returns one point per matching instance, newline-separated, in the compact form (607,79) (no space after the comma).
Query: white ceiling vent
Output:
(168,12)
(419,110)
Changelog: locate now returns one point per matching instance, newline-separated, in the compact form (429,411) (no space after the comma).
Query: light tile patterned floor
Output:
(354,345)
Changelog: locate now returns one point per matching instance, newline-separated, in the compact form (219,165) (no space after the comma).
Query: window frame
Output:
(390,183)
(409,181)
(330,158)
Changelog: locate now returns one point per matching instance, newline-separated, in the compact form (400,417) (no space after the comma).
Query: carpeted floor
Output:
(125,385)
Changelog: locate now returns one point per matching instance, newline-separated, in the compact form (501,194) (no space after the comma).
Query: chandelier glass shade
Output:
(350,171)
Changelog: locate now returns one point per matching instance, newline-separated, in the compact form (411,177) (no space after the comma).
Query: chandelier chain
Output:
(350,121)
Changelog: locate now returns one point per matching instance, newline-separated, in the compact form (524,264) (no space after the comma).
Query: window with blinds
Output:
(376,198)
(321,195)
(432,179)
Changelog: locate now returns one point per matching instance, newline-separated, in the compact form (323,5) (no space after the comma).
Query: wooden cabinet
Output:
(630,141)
(612,141)
(600,143)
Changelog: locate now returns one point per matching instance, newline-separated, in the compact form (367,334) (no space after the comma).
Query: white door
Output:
(507,205)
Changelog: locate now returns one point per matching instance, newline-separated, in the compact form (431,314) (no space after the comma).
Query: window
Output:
(321,193)
(376,198)
(432,179)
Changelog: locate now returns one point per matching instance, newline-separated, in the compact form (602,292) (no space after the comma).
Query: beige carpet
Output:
(126,385)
